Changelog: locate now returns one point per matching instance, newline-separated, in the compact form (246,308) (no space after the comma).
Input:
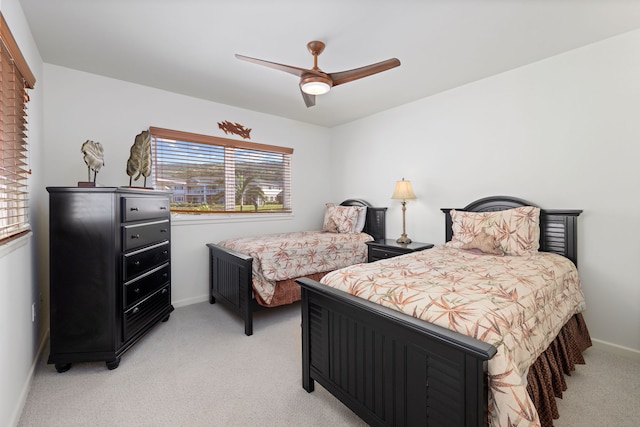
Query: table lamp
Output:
(404,192)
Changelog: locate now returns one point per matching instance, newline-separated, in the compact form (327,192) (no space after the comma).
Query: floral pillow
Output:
(517,230)
(330,225)
(484,243)
(341,219)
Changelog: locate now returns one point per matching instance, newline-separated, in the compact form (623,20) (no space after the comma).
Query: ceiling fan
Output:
(314,81)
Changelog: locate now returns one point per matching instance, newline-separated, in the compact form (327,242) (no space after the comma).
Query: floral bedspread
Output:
(291,255)
(516,303)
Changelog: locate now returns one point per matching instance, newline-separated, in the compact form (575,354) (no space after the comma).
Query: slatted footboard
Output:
(390,368)
(230,282)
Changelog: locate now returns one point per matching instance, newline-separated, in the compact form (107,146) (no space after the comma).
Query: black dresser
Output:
(110,271)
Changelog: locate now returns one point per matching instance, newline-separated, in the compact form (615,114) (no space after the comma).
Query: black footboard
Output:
(390,368)
(230,282)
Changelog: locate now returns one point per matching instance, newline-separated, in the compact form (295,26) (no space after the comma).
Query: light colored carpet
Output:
(199,369)
(605,391)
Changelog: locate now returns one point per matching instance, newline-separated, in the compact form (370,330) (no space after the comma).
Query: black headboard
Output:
(376,223)
(558,227)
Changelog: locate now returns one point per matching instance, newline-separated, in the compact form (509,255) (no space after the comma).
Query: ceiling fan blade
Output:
(296,71)
(309,100)
(358,73)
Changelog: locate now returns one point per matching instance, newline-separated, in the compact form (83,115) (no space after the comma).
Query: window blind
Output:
(15,78)
(208,174)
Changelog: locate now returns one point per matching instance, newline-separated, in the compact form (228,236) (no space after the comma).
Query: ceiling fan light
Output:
(315,85)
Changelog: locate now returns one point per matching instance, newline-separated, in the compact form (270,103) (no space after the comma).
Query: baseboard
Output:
(616,349)
(27,384)
(189,301)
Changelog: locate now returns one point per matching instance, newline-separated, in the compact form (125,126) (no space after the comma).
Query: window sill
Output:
(202,219)
(12,245)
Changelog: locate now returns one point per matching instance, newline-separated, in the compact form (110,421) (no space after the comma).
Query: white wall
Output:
(81,106)
(21,281)
(561,133)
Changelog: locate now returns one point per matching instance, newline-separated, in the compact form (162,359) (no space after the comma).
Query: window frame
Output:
(228,145)
(14,150)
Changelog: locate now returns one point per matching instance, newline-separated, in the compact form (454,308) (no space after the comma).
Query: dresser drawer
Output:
(140,208)
(146,311)
(142,260)
(139,235)
(146,284)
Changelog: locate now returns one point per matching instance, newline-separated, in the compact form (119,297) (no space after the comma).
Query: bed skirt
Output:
(287,291)
(545,380)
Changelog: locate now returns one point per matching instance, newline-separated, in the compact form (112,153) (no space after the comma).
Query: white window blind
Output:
(211,174)
(15,78)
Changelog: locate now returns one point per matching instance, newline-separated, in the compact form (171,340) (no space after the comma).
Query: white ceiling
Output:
(188,46)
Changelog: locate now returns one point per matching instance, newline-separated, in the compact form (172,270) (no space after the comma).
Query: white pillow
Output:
(362,218)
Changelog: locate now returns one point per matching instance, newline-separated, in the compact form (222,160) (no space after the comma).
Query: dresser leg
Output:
(63,367)
(113,364)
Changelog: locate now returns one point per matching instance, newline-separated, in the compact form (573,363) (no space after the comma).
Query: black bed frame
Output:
(393,369)
(230,280)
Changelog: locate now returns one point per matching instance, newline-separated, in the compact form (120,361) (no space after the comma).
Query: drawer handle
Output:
(165,290)
(136,290)
(136,263)
(163,208)
(163,230)
(165,252)
(134,209)
(135,236)
(135,310)
(165,275)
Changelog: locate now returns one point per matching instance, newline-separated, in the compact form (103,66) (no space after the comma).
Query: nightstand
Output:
(388,248)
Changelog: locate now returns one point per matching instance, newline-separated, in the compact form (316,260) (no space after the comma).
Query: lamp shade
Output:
(403,190)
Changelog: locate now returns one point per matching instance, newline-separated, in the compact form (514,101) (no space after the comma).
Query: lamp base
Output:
(403,239)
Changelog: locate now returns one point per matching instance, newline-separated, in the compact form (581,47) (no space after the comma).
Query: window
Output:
(15,78)
(208,174)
